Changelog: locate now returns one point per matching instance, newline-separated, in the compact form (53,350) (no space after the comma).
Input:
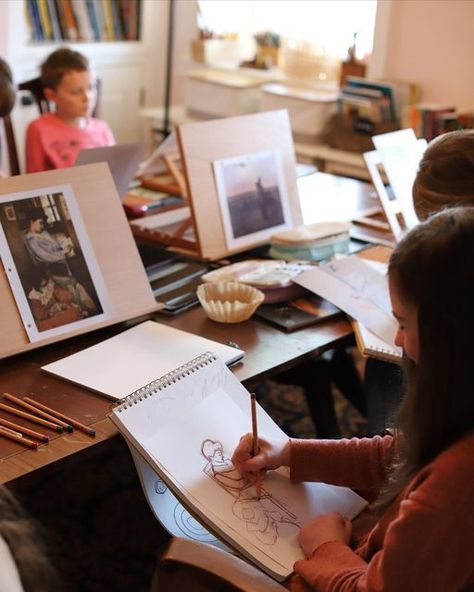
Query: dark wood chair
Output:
(198,567)
(35,88)
(11,145)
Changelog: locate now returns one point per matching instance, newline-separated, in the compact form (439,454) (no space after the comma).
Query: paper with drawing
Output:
(358,289)
(194,451)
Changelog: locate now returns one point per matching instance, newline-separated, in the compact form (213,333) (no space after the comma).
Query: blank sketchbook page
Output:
(122,364)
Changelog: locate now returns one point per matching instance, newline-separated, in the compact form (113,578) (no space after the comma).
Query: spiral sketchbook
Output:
(185,425)
(370,345)
(117,366)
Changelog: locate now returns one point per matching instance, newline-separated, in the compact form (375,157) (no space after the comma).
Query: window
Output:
(310,29)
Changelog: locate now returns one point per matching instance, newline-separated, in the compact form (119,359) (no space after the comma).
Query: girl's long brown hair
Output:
(433,270)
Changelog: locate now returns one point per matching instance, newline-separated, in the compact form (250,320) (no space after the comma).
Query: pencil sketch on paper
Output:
(366,281)
(263,516)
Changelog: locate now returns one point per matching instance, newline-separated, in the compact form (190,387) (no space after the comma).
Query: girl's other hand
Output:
(323,529)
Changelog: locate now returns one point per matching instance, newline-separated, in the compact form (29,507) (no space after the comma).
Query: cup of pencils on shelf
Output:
(268,50)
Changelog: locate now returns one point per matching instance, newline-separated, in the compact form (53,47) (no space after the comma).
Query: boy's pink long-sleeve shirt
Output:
(53,144)
(424,540)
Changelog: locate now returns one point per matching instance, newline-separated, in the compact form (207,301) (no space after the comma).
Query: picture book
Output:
(296,314)
(186,425)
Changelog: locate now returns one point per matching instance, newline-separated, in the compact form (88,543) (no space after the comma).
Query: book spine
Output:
(70,20)
(45,20)
(35,21)
(81,14)
(164,381)
(117,22)
(57,35)
(108,20)
(61,19)
(93,20)
(100,16)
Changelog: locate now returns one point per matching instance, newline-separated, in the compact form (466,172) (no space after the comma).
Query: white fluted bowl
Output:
(229,302)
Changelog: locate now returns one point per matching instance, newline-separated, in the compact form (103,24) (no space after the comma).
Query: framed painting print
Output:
(253,197)
(51,267)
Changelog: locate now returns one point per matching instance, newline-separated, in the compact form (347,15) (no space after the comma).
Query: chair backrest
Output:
(198,567)
(35,87)
(11,145)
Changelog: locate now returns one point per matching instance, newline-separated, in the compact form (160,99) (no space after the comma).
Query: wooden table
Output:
(268,351)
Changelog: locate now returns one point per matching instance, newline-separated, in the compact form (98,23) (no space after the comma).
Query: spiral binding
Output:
(165,381)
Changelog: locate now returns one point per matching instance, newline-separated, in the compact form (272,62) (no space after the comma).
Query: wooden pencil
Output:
(33,418)
(60,415)
(23,430)
(48,416)
(255,446)
(13,436)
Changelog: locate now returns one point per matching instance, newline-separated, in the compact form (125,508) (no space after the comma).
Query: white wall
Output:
(430,42)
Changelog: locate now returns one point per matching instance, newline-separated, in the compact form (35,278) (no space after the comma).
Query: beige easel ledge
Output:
(101,210)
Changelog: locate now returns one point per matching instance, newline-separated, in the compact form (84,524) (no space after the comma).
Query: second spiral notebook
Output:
(185,425)
(122,364)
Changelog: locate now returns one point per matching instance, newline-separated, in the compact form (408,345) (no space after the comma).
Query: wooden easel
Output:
(128,291)
(200,145)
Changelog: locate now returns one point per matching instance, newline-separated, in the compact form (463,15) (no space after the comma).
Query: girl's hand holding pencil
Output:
(270,455)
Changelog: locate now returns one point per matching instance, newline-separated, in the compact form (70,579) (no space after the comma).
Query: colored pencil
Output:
(23,430)
(255,446)
(47,416)
(12,431)
(13,436)
(33,418)
(60,415)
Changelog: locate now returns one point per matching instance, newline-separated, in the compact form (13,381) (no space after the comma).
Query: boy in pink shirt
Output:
(54,140)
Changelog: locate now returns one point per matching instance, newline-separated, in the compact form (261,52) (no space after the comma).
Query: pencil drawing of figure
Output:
(262,516)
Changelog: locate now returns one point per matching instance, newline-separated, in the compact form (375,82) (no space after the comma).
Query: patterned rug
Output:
(100,532)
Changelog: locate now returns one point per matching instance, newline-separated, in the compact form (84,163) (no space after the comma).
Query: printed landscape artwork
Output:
(253,197)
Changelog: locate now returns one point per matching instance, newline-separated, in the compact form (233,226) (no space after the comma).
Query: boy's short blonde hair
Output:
(59,63)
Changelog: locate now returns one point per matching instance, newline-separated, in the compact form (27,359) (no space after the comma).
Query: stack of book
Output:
(429,120)
(84,20)
(366,102)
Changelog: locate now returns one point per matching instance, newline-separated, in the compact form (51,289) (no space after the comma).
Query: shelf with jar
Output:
(84,20)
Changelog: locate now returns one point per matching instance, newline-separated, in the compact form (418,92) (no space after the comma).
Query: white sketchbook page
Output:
(122,364)
(262,528)
(356,288)
(139,422)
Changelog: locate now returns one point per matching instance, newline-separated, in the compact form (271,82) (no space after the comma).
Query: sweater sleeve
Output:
(359,463)
(427,546)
